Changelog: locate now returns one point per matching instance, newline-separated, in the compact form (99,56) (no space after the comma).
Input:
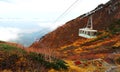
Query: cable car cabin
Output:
(87,33)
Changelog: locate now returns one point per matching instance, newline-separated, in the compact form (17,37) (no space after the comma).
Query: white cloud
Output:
(44,9)
(51,25)
(8,33)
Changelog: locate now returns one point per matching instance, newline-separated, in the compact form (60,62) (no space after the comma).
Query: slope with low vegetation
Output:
(13,59)
(69,46)
(106,43)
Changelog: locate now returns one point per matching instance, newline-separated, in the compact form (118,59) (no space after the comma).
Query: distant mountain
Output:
(27,39)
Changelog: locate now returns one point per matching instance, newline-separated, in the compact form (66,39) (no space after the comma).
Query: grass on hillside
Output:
(11,49)
(15,59)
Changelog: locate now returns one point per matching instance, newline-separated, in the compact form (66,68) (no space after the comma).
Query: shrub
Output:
(9,62)
(118,60)
(59,65)
(56,64)
(37,57)
(114,27)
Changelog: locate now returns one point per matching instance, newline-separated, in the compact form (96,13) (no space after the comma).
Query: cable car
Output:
(88,31)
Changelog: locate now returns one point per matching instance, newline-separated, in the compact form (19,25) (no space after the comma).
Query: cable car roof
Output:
(88,29)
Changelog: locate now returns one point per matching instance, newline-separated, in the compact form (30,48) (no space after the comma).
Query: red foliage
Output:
(77,63)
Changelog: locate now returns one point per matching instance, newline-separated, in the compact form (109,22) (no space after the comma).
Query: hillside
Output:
(103,16)
(16,59)
(62,50)
(66,43)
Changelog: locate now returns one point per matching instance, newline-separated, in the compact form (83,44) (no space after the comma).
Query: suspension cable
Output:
(66,11)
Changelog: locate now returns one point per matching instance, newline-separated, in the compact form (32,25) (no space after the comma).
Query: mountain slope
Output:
(103,16)
(66,43)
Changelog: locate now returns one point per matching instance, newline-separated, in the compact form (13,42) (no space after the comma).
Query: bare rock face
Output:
(103,16)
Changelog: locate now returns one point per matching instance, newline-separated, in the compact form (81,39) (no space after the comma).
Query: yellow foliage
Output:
(117,44)
(89,68)
(6,71)
(63,47)
(78,50)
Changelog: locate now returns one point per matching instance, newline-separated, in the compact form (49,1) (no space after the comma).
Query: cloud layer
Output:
(44,9)
(7,33)
(51,26)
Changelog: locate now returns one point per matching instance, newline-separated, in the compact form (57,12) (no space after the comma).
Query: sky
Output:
(18,16)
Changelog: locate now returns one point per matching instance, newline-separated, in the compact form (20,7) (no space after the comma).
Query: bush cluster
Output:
(56,64)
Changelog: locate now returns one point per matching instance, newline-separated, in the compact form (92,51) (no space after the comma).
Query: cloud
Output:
(8,33)
(51,26)
(45,9)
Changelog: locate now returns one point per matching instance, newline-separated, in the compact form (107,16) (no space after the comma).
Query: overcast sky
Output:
(45,10)
(18,14)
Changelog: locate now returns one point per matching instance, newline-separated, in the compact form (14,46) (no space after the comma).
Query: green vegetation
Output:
(54,63)
(16,59)
(11,49)
(114,27)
